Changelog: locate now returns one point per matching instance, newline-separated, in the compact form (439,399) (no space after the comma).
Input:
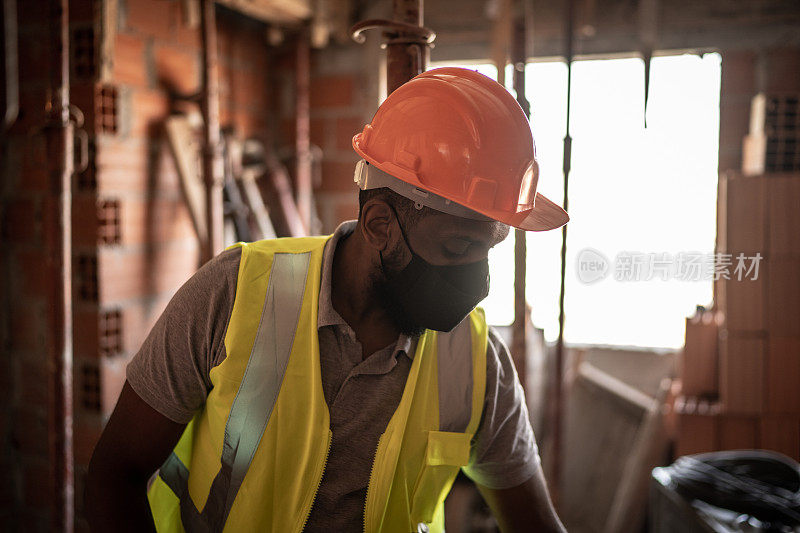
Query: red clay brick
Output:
(781,434)
(331,91)
(129,275)
(150,108)
(177,69)
(782,370)
(317,131)
(738,432)
(155,221)
(152,17)
(337,176)
(112,377)
(186,36)
(249,87)
(347,210)
(345,129)
(129,61)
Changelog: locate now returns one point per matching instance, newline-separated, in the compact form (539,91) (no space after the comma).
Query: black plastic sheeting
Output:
(761,484)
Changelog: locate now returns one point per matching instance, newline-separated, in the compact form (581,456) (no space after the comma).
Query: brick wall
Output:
(344,96)
(133,240)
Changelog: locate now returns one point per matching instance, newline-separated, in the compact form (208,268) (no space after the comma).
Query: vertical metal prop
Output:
(558,400)
(407,41)
(302,139)
(212,150)
(58,238)
(519,345)
(404,59)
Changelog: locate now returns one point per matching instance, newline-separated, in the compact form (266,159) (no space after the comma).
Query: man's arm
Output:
(524,508)
(135,442)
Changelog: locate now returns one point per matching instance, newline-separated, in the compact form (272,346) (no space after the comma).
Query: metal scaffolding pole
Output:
(212,149)
(59,135)
(407,41)
(519,345)
(558,402)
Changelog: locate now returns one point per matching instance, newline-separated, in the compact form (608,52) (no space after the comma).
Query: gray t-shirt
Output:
(171,373)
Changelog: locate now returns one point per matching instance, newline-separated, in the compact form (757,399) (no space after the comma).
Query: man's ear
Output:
(376,227)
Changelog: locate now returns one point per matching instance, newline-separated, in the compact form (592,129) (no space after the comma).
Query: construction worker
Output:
(340,383)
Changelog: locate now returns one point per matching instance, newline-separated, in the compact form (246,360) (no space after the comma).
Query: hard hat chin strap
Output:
(370,177)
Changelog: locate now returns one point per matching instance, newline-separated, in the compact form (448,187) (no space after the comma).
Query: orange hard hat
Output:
(452,135)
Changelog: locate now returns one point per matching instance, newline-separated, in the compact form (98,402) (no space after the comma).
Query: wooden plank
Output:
(185,148)
(742,373)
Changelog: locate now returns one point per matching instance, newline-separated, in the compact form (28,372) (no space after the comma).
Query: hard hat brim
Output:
(543,216)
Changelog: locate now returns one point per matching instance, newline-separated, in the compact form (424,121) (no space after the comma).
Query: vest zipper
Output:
(370,484)
(319,480)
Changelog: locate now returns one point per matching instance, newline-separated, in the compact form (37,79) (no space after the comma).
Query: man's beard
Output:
(379,289)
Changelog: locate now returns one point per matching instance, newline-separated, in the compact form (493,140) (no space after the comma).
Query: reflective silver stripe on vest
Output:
(254,399)
(454,350)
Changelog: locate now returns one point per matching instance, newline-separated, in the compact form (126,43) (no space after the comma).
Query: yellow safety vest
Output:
(252,459)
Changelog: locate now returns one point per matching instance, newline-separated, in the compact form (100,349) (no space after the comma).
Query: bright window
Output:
(632,191)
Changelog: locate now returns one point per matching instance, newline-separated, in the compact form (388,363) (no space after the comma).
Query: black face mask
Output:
(436,296)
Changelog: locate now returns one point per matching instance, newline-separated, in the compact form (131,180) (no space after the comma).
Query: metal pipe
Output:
(405,58)
(519,345)
(58,238)
(302,125)
(558,400)
(212,150)
(9,58)
(407,41)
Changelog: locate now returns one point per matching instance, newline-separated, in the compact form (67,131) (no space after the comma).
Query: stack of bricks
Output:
(744,359)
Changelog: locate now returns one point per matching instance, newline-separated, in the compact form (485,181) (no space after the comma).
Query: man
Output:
(340,383)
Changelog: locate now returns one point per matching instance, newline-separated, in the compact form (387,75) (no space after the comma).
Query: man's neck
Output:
(351,296)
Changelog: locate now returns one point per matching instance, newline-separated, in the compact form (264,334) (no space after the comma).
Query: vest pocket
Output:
(445,453)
